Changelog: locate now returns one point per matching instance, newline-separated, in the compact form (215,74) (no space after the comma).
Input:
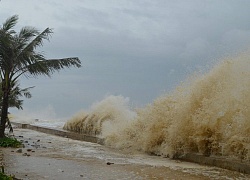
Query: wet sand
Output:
(51,157)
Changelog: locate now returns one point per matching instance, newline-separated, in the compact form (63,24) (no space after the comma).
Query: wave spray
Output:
(208,114)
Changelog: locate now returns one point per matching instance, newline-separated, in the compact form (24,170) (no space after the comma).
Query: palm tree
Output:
(15,94)
(14,99)
(18,56)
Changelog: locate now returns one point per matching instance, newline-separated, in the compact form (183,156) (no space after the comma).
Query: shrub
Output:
(9,142)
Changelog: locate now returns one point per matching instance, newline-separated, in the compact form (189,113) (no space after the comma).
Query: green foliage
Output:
(9,142)
(5,177)
(19,57)
(16,94)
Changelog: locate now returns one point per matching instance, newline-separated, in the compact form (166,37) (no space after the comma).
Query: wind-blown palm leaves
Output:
(14,99)
(15,94)
(18,56)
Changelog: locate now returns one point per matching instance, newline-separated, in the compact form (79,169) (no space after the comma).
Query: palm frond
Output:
(27,55)
(48,67)
(25,92)
(38,40)
(26,33)
(10,23)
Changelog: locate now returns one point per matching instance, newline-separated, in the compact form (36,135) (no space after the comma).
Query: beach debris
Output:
(109,163)
(26,154)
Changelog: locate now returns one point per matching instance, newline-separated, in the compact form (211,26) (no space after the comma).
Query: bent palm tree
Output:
(18,56)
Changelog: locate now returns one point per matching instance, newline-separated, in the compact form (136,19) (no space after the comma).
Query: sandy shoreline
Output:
(51,157)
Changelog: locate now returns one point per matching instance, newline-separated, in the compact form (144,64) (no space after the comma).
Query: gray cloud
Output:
(132,48)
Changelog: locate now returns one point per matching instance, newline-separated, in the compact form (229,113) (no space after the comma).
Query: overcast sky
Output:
(134,48)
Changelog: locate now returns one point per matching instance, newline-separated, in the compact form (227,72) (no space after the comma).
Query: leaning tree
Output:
(19,56)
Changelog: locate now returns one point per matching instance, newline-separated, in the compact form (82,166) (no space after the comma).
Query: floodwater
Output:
(51,157)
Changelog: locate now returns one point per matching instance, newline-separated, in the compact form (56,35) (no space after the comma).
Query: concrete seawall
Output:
(61,132)
(211,161)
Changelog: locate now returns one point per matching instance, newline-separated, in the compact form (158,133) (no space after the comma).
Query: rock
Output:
(109,163)
(38,140)
(26,154)
(19,151)
(29,149)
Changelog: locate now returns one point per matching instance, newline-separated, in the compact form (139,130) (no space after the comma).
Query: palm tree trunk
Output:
(4,112)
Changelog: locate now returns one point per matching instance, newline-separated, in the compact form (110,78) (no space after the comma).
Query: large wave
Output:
(209,114)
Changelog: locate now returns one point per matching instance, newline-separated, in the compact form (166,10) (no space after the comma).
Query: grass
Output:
(3,176)
(10,142)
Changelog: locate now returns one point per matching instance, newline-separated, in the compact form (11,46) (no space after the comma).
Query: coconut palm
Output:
(15,94)
(19,56)
(15,100)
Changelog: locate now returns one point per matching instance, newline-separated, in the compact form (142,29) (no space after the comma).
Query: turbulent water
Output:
(209,113)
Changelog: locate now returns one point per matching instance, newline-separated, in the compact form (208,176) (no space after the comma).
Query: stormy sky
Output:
(134,48)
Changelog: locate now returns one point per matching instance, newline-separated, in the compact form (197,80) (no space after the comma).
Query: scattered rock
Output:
(81,175)
(26,154)
(29,150)
(38,140)
(33,151)
(25,141)
(20,136)
(49,142)
(19,151)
